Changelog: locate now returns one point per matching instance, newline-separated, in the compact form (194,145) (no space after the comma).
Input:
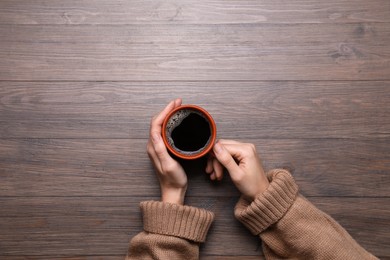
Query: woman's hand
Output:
(244,166)
(172,177)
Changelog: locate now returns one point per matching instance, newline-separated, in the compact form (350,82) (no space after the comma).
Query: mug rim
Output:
(213,129)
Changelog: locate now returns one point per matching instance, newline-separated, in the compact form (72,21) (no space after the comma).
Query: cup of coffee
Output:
(189,132)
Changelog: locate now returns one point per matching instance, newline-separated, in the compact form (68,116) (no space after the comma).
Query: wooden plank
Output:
(314,109)
(102,226)
(220,257)
(121,257)
(56,257)
(120,167)
(196,52)
(191,12)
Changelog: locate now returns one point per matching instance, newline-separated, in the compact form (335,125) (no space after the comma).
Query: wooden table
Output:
(308,82)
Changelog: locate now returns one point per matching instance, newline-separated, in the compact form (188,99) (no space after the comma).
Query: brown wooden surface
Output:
(196,52)
(187,12)
(291,109)
(88,167)
(307,81)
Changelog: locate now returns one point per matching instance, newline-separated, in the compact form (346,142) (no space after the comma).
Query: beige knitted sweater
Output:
(289,226)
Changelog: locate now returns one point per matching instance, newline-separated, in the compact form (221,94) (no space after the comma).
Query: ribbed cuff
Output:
(270,206)
(176,220)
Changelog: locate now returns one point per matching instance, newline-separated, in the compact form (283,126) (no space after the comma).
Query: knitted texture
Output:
(175,220)
(270,206)
(288,224)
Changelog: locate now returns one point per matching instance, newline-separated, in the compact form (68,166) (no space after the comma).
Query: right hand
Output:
(172,177)
(244,166)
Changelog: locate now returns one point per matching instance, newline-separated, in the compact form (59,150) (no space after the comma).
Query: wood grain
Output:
(233,257)
(112,167)
(293,109)
(121,257)
(75,257)
(191,12)
(196,52)
(103,226)
(306,81)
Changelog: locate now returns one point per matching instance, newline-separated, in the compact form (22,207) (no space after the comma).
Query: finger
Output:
(209,165)
(178,102)
(212,176)
(160,150)
(227,141)
(158,120)
(241,151)
(226,159)
(218,169)
(153,156)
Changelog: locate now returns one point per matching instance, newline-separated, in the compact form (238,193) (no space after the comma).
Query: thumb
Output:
(226,159)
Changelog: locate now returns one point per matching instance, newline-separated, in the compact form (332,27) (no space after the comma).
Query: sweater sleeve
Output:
(293,228)
(170,232)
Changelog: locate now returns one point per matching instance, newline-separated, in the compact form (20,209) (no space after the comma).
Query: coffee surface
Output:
(192,134)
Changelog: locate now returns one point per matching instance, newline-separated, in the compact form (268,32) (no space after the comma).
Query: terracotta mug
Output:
(189,132)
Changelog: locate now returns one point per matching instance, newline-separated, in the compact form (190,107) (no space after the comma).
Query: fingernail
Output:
(217,148)
(155,138)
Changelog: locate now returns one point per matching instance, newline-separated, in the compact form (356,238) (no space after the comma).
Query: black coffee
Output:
(192,134)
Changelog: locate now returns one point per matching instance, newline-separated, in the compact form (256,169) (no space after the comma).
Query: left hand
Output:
(172,177)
